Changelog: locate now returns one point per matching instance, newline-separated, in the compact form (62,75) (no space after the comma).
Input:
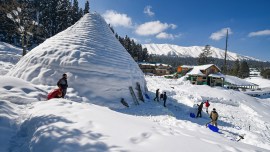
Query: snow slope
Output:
(263,83)
(98,67)
(9,53)
(193,51)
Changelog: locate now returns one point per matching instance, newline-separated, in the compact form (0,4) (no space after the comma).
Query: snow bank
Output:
(9,53)
(20,91)
(97,65)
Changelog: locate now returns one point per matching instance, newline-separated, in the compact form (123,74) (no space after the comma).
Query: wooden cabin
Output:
(158,69)
(203,75)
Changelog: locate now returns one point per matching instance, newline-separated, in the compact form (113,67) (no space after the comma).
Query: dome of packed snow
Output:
(99,68)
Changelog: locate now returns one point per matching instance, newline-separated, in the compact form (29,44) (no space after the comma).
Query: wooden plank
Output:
(135,100)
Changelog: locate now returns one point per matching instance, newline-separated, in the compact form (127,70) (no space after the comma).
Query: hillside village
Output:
(113,103)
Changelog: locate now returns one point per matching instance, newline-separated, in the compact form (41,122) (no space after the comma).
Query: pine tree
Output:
(86,7)
(244,70)
(236,68)
(81,12)
(47,19)
(75,12)
(265,73)
(20,14)
(63,18)
(204,57)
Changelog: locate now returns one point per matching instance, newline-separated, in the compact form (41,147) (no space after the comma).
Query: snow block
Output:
(213,128)
(192,115)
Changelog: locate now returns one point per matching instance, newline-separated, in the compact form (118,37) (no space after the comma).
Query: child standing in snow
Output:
(199,113)
(207,104)
(214,117)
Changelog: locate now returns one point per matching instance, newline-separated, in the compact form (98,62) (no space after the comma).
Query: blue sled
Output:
(146,96)
(192,115)
(213,128)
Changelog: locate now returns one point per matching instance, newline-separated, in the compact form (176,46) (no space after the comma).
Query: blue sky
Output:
(192,22)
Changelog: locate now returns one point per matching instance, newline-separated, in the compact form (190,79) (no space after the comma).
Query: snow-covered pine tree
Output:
(20,13)
(7,26)
(75,11)
(47,17)
(63,15)
(86,7)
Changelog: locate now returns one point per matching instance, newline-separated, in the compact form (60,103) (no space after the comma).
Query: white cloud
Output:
(173,26)
(259,33)
(220,34)
(147,10)
(116,19)
(148,41)
(152,28)
(164,35)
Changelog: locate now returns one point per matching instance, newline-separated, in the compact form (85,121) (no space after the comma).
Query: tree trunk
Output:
(23,46)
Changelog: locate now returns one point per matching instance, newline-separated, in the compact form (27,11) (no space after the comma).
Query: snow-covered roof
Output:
(237,81)
(201,67)
(217,75)
(197,69)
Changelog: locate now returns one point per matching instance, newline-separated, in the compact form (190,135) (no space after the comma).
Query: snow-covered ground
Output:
(264,87)
(9,55)
(30,123)
(263,83)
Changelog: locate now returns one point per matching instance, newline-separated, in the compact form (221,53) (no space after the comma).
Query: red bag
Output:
(56,93)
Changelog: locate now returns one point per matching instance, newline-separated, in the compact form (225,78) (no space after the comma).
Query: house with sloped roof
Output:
(208,74)
(158,69)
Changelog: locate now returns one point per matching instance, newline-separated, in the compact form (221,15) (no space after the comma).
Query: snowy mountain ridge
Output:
(192,51)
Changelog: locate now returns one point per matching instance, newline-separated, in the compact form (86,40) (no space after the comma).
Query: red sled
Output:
(56,93)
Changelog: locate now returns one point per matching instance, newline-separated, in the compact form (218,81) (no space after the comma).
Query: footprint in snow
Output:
(141,138)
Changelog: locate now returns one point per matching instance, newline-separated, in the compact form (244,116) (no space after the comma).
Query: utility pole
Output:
(225,59)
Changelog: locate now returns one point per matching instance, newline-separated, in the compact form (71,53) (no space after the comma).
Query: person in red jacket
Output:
(207,104)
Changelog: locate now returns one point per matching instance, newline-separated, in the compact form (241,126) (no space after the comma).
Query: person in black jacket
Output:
(199,114)
(164,98)
(157,95)
(62,83)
